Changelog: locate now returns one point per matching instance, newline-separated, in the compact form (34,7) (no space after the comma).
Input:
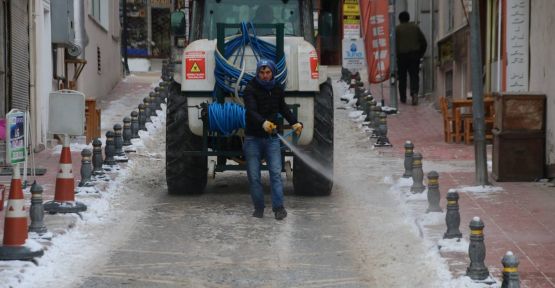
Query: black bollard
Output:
(477,251)
(417,174)
(86,168)
(97,158)
(127,134)
(511,279)
(142,117)
(452,217)
(409,148)
(119,155)
(134,125)
(382,141)
(146,102)
(152,103)
(433,192)
(110,149)
(158,101)
(375,121)
(37,210)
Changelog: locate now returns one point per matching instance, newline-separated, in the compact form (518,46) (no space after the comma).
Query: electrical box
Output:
(63,28)
(66,112)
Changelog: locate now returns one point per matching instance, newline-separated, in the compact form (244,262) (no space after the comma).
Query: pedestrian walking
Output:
(264,100)
(411,46)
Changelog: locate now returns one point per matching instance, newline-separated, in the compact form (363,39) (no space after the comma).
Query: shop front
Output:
(148,28)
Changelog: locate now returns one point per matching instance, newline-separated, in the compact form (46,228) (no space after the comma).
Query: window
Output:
(99,11)
(268,11)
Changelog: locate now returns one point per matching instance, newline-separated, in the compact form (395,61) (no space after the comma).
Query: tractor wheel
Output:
(184,174)
(306,179)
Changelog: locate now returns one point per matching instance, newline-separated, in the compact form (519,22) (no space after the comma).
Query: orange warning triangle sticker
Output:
(195,68)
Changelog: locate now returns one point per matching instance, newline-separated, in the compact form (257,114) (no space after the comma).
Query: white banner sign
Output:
(518,25)
(353,54)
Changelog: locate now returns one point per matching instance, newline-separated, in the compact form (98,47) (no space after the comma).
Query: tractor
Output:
(205,116)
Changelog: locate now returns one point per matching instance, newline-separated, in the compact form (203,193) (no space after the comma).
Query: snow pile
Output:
(477,189)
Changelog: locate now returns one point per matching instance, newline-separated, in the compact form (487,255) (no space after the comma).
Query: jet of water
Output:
(315,165)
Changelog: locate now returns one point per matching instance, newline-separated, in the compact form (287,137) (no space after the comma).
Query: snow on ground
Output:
(72,252)
(428,226)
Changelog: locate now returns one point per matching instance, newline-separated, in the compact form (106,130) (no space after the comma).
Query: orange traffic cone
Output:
(15,225)
(64,197)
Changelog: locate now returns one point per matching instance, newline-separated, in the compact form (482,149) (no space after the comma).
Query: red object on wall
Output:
(375,31)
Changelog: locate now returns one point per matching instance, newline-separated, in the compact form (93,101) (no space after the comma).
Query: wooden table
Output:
(458,117)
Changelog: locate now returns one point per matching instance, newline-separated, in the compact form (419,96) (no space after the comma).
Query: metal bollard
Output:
(37,210)
(142,117)
(417,174)
(86,168)
(158,101)
(152,103)
(409,147)
(433,192)
(119,155)
(477,251)
(146,102)
(382,132)
(511,279)
(134,125)
(127,134)
(452,217)
(109,150)
(97,158)
(370,111)
(375,121)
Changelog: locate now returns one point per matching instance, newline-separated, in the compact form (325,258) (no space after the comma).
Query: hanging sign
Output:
(351,19)
(375,15)
(15,137)
(195,65)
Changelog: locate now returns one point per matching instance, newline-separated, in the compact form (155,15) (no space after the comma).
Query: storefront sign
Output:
(195,65)
(518,26)
(375,15)
(313,64)
(351,19)
(15,137)
(353,54)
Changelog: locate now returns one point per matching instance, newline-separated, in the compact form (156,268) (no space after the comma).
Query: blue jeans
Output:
(256,149)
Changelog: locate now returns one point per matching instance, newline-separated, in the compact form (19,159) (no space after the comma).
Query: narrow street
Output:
(354,238)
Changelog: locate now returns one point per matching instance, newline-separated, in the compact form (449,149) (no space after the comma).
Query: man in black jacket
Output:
(411,46)
(264,99)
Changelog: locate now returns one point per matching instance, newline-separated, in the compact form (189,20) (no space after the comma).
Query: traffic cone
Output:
(15,225)
(64,197)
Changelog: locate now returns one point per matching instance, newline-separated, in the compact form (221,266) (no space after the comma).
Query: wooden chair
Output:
(488,119)
(448,121)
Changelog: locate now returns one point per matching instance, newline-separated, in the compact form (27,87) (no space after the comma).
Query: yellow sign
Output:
(195,68)
(351,9)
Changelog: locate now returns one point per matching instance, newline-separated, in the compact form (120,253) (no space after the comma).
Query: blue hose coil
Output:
(226,118)
(227,74)
(229,117)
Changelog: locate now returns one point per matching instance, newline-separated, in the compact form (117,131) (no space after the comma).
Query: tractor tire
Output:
(185,175)
(307,180)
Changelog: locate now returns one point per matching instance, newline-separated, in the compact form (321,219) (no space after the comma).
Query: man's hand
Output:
(298,128)
(269,127)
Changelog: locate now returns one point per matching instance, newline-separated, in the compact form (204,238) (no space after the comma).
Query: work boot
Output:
(414,99)
(280,213)
(258,213)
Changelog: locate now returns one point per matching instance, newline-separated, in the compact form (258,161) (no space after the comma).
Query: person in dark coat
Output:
(264,100)
(411,46)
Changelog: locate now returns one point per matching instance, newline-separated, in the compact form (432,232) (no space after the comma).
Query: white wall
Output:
(542,63)
(91,82)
